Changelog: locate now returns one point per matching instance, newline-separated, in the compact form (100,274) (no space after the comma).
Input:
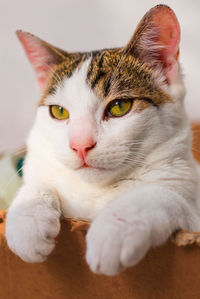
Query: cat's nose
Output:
(82,148)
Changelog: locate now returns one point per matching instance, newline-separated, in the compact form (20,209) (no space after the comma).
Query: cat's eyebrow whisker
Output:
(125,51)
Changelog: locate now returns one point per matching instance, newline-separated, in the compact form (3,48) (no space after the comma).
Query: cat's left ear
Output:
(43,56)
(156,41)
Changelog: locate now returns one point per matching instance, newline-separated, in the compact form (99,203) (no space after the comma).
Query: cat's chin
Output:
(95,175)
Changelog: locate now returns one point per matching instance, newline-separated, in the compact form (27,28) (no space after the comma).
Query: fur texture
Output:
(142,183)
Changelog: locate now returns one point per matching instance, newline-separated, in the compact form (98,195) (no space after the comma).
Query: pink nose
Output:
(82,148)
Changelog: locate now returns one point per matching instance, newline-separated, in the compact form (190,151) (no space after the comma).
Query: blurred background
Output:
(78,25)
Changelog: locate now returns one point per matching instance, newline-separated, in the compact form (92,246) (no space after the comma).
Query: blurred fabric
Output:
(77,25)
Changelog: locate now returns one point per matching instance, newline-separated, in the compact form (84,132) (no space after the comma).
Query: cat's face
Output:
(103,112)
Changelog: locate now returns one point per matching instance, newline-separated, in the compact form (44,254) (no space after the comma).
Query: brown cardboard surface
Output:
(166,272)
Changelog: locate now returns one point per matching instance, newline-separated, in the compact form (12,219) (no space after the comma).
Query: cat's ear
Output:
(43,56)
(156,40)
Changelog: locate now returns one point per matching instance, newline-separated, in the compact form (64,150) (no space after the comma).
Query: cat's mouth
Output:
(87,166)
(84,165)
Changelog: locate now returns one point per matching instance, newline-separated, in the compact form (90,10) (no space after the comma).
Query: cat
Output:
(111,144)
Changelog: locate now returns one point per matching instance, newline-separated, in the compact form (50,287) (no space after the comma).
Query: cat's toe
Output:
(39,253)
(28,242)
(104,258)
(134,247)
(32,236)
(111,248)
(104,248)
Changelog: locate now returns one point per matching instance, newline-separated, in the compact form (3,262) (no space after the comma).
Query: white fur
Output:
(33,224)
(142,187)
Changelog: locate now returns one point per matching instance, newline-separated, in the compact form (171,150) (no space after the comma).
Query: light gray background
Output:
(78,25)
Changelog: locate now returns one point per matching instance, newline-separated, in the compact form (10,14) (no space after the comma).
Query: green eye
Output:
(59,112)
(119,108)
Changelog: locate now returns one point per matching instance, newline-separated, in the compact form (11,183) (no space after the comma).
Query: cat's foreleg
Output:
(33,223)
(129,225)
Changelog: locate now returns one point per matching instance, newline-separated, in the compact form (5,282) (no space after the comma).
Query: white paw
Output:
(32,226)
(114,243)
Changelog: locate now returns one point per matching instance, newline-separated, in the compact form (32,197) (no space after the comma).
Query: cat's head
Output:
(102,112)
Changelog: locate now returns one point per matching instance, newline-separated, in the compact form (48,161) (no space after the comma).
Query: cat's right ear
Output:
(43,56)
(156,41)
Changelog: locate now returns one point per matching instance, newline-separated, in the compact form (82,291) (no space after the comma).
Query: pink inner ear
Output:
(169,37)
(38,55)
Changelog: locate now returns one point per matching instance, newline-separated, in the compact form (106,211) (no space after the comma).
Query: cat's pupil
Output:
(61,110)
(119,104)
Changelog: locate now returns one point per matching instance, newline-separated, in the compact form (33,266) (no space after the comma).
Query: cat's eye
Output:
(118,108)
(59,112)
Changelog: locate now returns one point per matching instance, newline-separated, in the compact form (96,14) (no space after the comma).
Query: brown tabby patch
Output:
(112,74)
(117,74)
(61,71)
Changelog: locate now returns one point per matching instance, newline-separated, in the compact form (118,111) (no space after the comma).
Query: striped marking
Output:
(112,73)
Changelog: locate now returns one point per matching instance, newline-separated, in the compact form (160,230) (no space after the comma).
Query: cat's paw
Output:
(32,226)
(113,244)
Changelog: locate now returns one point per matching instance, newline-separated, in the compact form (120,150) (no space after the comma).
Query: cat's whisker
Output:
(8,183)
(137,158)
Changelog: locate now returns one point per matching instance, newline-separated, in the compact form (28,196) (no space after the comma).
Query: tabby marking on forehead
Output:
(112,74)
